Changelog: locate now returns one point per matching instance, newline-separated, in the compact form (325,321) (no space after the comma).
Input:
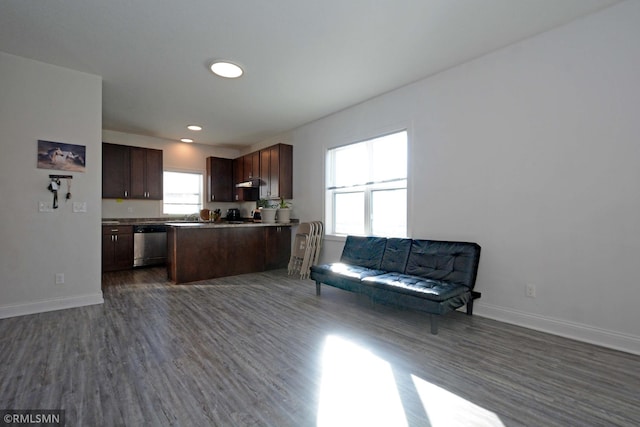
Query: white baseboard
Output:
(49,305)
(577,331)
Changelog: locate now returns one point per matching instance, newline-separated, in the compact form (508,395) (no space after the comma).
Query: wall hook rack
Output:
(54,186)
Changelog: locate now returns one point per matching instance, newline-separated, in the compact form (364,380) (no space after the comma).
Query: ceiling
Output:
(302,59)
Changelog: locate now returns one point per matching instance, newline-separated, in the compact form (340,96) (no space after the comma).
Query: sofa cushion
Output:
(396,254)
(453,262)
(363,251)
(432,289)
(346,270)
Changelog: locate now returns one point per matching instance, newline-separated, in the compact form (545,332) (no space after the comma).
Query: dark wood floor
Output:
(263,350)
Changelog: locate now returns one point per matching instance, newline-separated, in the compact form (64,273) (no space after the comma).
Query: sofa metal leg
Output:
(434,324)
(474,296)
(317,288)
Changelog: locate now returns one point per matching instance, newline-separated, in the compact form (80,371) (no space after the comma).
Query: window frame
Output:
(201,202)
(367,188)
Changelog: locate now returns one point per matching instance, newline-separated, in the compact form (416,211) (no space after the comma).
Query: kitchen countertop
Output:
(222,224)
(186,223)
(141,221)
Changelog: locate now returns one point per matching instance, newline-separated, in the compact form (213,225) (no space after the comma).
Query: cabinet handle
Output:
(125,193)
(116,236)
(213,197)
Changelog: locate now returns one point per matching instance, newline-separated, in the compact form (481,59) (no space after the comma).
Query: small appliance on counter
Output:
(233,215)
(256,215)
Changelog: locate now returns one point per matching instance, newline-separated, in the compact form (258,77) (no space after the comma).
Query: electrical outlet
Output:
(79,206)
(59,278)
(530,291)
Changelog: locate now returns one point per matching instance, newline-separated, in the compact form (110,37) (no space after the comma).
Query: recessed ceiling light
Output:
(189,140)
(194,127)
(226,69)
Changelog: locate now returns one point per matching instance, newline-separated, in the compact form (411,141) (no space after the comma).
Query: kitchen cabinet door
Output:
(146,173)
(276,172)
(219,179)
(255,164)
(117,247)
(154,174)
(251,166)
(240,174)
(278,247)
(116,175)
(265,181)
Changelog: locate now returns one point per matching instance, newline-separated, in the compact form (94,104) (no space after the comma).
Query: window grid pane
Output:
(389,157)
(349,169)
(182,193)
(389,209)
(349,213)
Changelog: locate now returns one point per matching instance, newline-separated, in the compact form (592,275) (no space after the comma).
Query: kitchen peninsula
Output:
(200,250)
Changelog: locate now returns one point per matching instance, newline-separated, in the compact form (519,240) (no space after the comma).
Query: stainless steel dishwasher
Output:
(149,244)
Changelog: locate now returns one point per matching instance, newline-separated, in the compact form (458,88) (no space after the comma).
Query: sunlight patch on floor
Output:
(447,409)
(357,388)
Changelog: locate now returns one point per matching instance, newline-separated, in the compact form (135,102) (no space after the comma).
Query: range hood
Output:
(250,183)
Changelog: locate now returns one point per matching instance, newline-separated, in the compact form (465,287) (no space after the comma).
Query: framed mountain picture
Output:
(61,156)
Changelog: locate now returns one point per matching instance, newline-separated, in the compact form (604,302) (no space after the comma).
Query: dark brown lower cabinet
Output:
(117,247)
(278,247)
(200,253)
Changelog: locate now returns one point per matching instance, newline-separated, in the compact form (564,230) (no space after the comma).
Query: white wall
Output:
(41,101)
(533,152)
(177,156)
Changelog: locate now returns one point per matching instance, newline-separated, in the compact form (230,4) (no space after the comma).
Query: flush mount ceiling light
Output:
(187,140)
(194,127)
(226,69)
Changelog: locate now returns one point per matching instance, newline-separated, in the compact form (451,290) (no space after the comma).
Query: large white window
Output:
(182,193)
(367,187)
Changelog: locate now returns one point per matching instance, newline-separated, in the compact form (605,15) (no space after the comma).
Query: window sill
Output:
(335,238)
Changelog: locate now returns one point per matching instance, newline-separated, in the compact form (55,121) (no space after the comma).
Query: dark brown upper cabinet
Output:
(219,179)
(251,166)
(131,172)
(116,171)
(243,169)
(276,172)
(146,173)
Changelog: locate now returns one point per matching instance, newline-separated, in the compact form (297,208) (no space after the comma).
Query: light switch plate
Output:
(79,206)
(44,207)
